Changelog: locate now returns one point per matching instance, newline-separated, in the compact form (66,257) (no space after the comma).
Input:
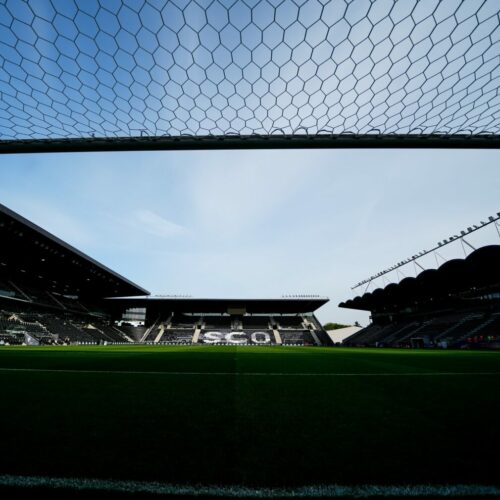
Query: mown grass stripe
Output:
(332,491)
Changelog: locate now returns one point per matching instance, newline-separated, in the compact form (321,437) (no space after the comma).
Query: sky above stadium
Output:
(257,223)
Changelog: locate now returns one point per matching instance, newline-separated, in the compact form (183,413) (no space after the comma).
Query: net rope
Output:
(132,68)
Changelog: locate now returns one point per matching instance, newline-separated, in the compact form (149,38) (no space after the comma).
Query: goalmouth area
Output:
(249,421)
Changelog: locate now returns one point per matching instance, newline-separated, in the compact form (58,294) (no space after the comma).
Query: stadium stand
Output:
(46,323)
(216,322)
(60,327)
(134,333)
(238,337)
(234,329)
(298,337)
(177,337)
(289,321)
(50,292)
(456,305)
(255,322)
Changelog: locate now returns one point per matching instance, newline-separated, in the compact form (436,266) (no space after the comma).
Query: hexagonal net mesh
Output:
(94,69)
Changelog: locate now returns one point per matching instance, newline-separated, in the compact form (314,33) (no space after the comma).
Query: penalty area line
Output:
(361,491)
(251,374)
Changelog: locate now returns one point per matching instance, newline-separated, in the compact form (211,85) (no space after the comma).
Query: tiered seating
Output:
(111,332)
(11,338)
(153,333)
(181,329)
(55,323)
(102,333)
(490,327)
(296,337)
(177,336)
(217,322)
(487,334)
(357,339)
(462,328)
(25,323)
(10,331)
(237,337)
(255,322)
(134,332)
(376,334)
(455,329)
(289,321)
(399,332)
(180,321)
(71,326)
(65,329)
(98,336)
(437,326)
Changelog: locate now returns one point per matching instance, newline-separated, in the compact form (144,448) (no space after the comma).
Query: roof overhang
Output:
(288,305)
(29,244)
(480,271)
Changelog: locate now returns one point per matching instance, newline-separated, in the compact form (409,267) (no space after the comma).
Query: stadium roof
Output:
(288,305)
(94,75)
(30,253)
(480,269)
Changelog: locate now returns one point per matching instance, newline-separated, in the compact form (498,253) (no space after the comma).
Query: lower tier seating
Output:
(451,330)
(237,337)
(298,337)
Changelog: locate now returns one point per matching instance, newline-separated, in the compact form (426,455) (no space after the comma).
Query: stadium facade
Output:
(456,305)
(51,293)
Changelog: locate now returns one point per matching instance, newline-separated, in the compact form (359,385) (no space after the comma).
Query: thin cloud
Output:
(153,223)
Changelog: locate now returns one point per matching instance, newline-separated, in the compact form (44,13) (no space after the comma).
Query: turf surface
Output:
(265,417)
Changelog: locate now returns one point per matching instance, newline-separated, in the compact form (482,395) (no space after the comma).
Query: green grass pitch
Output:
(258,417)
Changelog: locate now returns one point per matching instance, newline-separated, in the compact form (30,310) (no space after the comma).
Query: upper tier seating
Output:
(217,322)
(255,322)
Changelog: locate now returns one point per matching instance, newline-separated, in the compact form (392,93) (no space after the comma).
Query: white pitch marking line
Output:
(332,491)
(252,374)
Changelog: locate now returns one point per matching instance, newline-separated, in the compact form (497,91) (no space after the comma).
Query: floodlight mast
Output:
(254,141)
(495,220)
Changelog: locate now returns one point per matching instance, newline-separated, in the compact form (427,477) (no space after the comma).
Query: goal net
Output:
(108,74)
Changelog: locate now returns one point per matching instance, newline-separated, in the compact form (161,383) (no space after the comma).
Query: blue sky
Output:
(256,223)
